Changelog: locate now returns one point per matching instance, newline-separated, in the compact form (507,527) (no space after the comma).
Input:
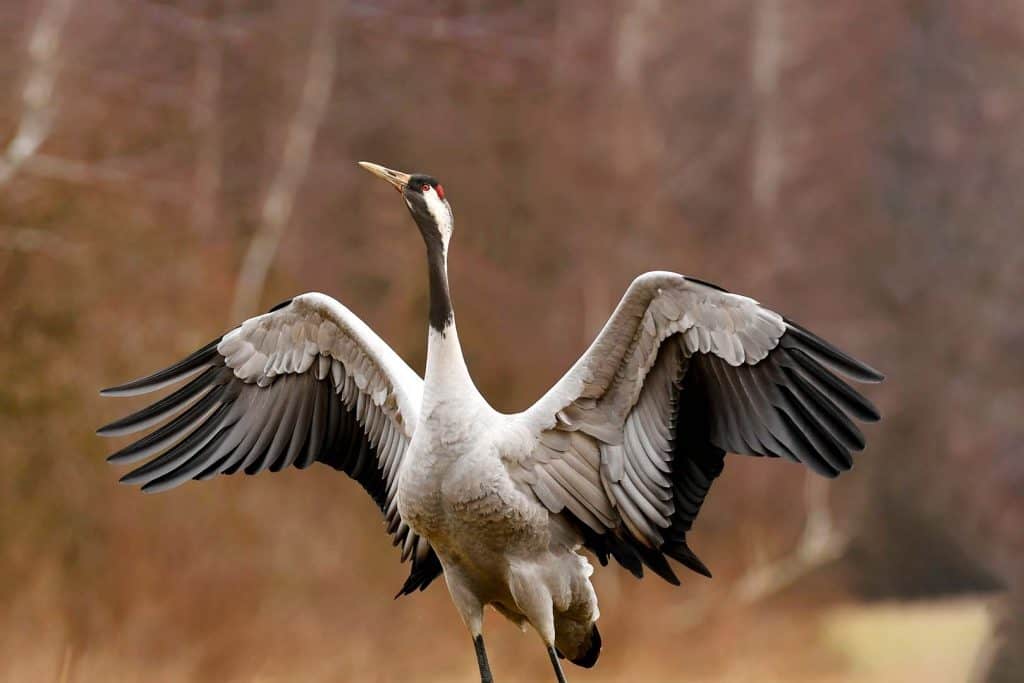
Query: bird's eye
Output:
(425,188)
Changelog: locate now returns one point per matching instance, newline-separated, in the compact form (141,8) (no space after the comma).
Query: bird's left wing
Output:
(631,438)
(306,382)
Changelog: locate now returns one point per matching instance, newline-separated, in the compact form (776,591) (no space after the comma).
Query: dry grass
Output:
(351,632)
(934,641)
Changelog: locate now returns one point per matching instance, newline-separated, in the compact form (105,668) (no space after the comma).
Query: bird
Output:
(613,463)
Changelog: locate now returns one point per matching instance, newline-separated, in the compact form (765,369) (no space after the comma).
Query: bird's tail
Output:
(581,651)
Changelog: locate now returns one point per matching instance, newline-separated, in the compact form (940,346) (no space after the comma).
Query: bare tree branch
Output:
(298,150)
(820,543)
(37,95)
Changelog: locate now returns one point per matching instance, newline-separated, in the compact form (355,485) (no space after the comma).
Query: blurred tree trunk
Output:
(37,95)
(766,65)
(206,120)
(295,160)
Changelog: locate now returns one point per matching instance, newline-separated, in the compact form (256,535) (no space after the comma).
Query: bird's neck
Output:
(441,314)
(446,374)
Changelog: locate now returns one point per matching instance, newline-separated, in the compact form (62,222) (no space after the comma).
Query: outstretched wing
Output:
(307,382)
(632,437)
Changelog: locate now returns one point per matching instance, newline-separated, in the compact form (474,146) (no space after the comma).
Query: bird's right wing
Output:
(629,441)
(307,382)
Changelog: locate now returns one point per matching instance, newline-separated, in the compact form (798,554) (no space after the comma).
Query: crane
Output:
(615,459)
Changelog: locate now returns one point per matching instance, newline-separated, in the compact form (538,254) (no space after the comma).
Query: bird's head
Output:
(426,201)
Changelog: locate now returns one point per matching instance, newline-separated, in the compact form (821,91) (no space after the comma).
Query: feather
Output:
(171,432)
(190,445)
(821,350)
(195,362)
(635,520)
(830,385)
(167,406)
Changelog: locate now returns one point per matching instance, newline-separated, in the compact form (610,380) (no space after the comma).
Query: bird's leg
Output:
(534,600)
(472,612)
(481,659)
(553,654)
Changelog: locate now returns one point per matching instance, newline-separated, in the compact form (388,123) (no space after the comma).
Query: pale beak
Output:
(396,178)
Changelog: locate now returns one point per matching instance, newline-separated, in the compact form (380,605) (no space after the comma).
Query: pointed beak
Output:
(396,178)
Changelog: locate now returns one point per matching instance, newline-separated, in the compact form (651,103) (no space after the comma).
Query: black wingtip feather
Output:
(422,573)
(682,554)
(173,373)
(826,352)
(656,561)
(165,407)
(826,444)
(189,468)
(175,428)
(841,426)
(184,449)
(851,400)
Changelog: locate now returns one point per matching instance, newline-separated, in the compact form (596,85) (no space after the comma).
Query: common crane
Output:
(616,458)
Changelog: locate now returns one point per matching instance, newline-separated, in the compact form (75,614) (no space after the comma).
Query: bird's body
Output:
(497,542)
(616,458)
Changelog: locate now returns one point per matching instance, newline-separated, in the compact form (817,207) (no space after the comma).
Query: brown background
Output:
(856,165)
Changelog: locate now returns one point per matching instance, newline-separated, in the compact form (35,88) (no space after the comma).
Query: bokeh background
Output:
(168,167)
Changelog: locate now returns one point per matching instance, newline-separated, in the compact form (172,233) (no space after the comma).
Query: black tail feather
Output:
(589,657)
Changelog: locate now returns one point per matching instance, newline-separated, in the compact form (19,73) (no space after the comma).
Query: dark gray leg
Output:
(557,664)
(481,660)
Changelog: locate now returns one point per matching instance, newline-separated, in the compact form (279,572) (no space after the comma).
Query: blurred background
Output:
(167,168)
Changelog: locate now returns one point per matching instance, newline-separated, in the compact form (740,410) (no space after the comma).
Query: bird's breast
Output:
(439,441)
(456,492)
(419,489)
